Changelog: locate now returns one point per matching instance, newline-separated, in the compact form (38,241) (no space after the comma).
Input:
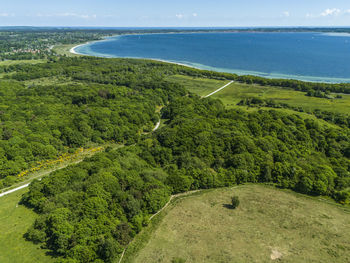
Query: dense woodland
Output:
(112,102)
(89,212)
(92,210)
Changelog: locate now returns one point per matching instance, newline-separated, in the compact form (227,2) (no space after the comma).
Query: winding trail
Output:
(228,84)
(160,210)
(157,126)
(171,198)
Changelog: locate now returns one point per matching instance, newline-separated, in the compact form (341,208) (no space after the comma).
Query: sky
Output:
(176,13)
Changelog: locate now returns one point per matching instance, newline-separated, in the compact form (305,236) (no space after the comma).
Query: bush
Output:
(235,202)
(178,260)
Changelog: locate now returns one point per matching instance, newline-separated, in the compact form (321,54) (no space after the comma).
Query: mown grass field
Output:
(234,93)
(270,225)
(15,220)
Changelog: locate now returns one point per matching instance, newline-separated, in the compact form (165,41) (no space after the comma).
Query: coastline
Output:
(73,51)
(272,75)
(106,38)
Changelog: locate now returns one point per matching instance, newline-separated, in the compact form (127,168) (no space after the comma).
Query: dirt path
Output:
(171,198)
(160,210)
(39,176)
(157,126)
(228,84)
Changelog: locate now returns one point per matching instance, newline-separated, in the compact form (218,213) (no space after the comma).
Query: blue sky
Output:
(177,13)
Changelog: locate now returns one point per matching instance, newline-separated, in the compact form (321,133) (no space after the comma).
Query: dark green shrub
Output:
(235,202)
(178,260)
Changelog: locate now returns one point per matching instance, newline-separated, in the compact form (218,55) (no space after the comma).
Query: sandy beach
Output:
(72,50)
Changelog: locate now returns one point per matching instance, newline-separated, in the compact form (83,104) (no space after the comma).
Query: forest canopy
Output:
(89,212)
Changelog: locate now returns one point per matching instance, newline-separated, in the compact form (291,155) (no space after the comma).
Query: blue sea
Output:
(304,56)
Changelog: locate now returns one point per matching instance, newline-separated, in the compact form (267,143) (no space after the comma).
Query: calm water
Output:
(305,56)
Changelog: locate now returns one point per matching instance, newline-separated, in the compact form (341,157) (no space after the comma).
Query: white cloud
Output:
(286,14)
(186,16)
(331,12)
(6,15)
(83,16)
(179,16)
(77,15)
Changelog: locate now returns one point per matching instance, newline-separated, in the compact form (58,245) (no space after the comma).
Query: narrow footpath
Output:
(228,84)
(160,210)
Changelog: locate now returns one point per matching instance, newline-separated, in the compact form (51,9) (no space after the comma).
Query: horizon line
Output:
(165,27)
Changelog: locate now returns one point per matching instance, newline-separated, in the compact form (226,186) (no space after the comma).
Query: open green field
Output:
(234,93)
(15,220)
(16,62)
(269,225)
(50,81)
(200,86)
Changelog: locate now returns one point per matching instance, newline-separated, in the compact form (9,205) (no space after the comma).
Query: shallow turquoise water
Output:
(304,56)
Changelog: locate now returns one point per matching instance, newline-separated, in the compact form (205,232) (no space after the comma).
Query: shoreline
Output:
(315,79)
(73,51)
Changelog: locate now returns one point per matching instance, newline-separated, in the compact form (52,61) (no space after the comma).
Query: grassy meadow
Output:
(200,86)
(269,225)
(65,50)
(15,220)
(17,62)
(6,63)
(56,80)
(234,93)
